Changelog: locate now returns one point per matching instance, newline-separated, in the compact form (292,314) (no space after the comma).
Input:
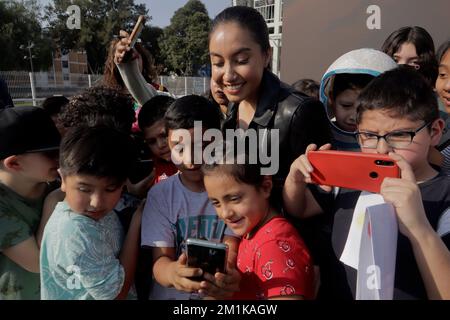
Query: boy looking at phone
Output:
(84,254)
(178,208)
(397,115)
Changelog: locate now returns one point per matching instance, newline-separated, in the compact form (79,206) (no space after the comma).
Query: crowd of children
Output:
(110,218)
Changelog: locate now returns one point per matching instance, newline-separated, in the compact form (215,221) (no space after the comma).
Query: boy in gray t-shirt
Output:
(179,208)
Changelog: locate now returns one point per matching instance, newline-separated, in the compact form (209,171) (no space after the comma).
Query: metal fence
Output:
(27,87)
(182,86)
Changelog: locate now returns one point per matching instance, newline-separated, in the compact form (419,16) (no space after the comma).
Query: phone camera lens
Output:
(384,163)
(373,175)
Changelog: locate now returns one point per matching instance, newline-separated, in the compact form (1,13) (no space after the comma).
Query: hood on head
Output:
(361,61)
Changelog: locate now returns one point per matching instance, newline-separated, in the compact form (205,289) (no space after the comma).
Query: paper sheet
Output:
(350,255)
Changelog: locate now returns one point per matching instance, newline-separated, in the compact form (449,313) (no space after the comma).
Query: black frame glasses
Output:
(394,139)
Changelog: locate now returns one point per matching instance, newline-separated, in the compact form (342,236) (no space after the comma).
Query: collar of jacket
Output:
(267,104)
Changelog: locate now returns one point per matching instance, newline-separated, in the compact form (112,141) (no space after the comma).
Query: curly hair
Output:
(111,75)
(99,106)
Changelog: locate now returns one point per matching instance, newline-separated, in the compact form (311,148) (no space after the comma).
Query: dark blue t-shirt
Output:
(408,280)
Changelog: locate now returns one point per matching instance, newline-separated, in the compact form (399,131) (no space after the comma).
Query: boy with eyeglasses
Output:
(397,115)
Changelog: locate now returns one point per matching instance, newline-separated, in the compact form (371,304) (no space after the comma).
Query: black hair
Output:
(184,111)
(238,166)
(248,18)
(344,81)
(443,48)
(309,87)
(99,106)
(424,44)
(402,92)
(53,105)
(153,110)
(97,151)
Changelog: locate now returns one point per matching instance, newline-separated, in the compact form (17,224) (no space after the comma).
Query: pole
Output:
(31,58)
(33,89)
(54,70)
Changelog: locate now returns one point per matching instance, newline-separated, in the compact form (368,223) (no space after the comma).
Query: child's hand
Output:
(181,273)
(301,167)
(404,194)
(222,285)
(123,47)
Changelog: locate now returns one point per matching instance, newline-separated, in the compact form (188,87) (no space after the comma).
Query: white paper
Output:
(443,227)
(378,252)
(350,254)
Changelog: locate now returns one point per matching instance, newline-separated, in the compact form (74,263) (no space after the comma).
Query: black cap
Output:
(25,130)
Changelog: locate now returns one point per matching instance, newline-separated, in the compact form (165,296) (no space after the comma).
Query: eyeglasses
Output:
(395,139)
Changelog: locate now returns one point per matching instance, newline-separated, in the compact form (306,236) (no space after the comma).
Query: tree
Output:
(100,21)
(184,43)
(150,36)
(20,25)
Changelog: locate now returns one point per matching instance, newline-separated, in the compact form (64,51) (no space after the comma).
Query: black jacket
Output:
(301,120)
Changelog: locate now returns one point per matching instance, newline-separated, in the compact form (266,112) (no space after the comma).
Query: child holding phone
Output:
(178,208)
(273,260)
(397,115)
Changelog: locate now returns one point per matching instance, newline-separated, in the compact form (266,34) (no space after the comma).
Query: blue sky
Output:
(162,10)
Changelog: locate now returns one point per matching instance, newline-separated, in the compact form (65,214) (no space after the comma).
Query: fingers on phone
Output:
(123,34)
(326,188)
(311,147)
(208,277)
(325,147)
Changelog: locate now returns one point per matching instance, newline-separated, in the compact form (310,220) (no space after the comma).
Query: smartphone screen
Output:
(209,256)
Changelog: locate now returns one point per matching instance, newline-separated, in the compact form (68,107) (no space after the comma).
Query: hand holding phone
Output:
(124,48)
(209,256)
(352,170)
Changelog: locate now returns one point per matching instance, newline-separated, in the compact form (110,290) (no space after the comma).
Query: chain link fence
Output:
(182,86)
(27,88)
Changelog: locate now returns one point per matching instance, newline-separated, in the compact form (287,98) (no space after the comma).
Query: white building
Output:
(272,11)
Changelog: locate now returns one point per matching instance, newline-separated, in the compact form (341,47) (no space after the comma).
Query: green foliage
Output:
(100,21)
(184,44)
(20,25)
(149,38)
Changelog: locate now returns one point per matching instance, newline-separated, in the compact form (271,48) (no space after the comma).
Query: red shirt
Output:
(274,262)
(163,170)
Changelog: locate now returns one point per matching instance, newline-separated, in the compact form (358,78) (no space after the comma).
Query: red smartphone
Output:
(137,30)
(352,170)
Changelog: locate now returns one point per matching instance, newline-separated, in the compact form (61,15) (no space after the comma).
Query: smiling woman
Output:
(240,55)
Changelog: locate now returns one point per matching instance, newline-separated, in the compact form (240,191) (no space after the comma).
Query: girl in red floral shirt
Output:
(272,258)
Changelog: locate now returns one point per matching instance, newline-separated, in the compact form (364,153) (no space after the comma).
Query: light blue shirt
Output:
(79,256)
